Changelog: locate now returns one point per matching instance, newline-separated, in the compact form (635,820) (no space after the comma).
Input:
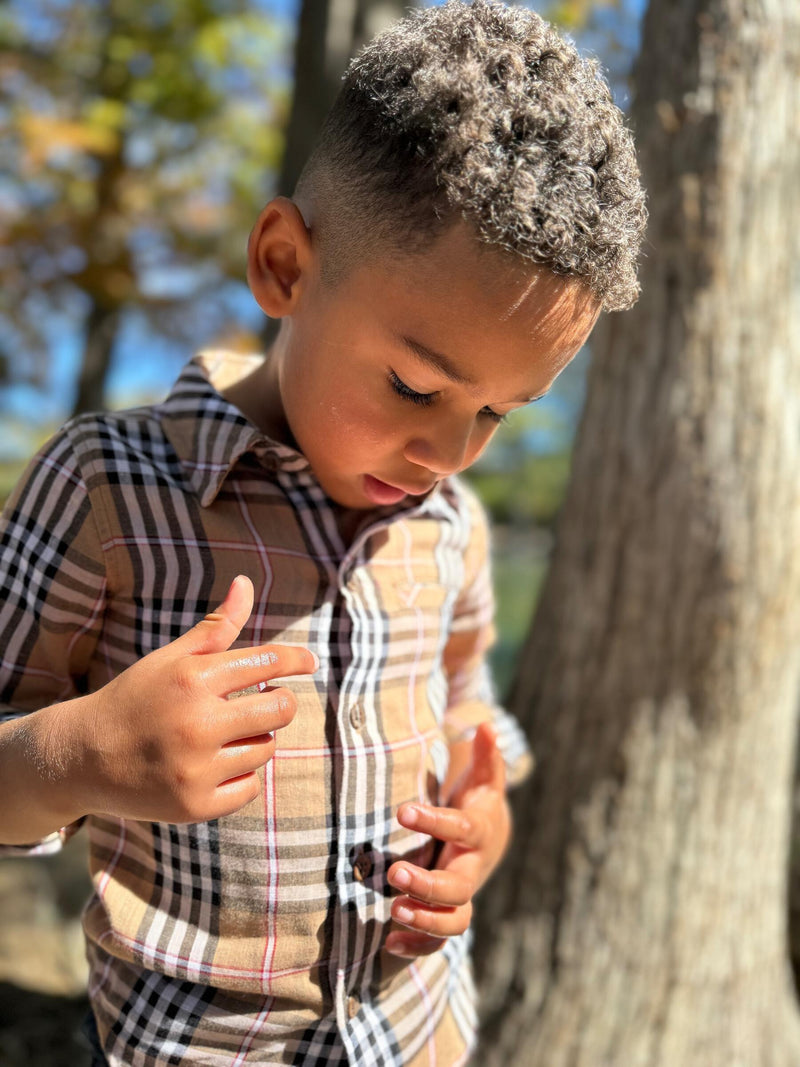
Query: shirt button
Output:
(357,716)
(362,866)
(353,1006)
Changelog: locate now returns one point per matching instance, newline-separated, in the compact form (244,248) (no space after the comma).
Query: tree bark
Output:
(329,33)
(641,917)
(98,346)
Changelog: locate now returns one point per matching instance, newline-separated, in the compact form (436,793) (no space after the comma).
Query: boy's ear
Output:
(278,257)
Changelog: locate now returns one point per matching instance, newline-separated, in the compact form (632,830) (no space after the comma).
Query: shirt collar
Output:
(209,434)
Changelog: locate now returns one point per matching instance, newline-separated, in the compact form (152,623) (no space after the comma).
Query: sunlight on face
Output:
(400,374)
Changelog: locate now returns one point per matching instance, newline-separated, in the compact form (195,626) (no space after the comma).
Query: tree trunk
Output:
(641,917)
(98,346)
(329,33)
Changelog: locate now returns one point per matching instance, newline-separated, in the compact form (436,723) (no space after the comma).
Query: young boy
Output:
(473,203)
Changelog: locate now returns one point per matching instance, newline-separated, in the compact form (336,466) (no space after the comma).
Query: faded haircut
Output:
(480,112)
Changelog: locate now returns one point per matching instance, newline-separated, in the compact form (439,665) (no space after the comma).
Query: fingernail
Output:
(316,661)
(403,914)
(410,816)
(402,879)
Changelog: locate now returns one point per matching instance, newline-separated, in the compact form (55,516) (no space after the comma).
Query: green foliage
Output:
(519,565)
(139,136)
(574,15)
(529,492)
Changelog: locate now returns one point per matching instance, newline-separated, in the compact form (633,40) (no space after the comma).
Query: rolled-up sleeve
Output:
(53,582)
(471,692)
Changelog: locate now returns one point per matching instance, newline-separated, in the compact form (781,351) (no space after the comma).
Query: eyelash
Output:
(426,399)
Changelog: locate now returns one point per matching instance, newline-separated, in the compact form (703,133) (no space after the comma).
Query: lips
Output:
(383,493)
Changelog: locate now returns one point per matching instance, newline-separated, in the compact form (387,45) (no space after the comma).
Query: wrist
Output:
(57,750)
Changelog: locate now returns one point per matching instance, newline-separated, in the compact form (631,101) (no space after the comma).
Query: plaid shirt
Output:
(257,938)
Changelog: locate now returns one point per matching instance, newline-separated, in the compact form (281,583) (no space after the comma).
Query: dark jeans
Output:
(89,1031)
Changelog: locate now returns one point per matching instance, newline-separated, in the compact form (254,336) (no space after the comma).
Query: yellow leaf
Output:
(106,113)
(44,136)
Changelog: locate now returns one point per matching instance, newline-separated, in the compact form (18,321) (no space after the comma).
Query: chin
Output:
(346,496)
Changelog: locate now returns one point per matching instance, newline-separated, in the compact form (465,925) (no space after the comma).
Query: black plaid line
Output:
(156,1012)
(364,1027)
(320,1045)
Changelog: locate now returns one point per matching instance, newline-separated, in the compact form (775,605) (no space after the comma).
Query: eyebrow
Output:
(447,367)
(438,361)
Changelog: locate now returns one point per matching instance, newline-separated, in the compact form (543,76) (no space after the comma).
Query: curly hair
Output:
(485,113)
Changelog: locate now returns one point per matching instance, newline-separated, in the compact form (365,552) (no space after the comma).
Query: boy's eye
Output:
(494,415)
(408,393)
(425,399)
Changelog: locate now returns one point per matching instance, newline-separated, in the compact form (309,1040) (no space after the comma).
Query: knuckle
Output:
(422,885)
(423,920)
(268,751)
(188,792)
(249,790)
(284,701)
(184,678)
(468,827)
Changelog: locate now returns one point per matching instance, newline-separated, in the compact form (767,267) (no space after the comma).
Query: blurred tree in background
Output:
(641,917)
(138,137)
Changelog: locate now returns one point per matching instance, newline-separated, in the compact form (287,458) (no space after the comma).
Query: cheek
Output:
(349,418)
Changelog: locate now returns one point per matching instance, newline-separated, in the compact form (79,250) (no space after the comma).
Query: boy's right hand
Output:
(162,743)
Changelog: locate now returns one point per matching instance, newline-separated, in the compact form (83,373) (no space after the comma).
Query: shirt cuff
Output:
(47,846)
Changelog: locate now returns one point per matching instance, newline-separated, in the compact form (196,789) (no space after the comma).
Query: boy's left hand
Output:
(475,829)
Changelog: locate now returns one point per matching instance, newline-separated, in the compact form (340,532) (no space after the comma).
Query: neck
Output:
(258,397)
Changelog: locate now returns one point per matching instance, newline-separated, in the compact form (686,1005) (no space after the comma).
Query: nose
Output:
(442,451)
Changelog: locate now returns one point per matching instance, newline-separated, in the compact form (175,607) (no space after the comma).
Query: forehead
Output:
(475,304)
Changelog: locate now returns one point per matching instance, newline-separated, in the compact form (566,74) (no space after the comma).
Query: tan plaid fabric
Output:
(257,938)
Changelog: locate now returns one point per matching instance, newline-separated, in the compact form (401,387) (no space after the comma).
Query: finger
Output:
(438,887)
(243,758)
(465,828)
(228,672)
(234,793)
(407,943)
(255,713)
(220,628)
(487,766)
(439,922)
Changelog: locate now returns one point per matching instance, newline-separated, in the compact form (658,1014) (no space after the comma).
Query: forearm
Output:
(39,771)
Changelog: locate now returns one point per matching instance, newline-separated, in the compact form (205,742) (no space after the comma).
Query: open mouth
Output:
(381,492)
(385,493)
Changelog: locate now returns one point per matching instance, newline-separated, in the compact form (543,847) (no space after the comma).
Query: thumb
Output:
(487,766)
(220,628)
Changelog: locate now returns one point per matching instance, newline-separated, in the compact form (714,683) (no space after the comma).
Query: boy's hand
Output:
(162,743)
(475,830)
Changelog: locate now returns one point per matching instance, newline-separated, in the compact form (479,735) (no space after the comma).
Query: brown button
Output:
(362,866)
(357,716)
(353,1006)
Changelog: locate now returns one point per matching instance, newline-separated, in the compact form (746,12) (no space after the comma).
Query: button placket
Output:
(362,866)
(358,715)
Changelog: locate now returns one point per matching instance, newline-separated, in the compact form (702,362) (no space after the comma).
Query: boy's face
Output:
(401,372)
